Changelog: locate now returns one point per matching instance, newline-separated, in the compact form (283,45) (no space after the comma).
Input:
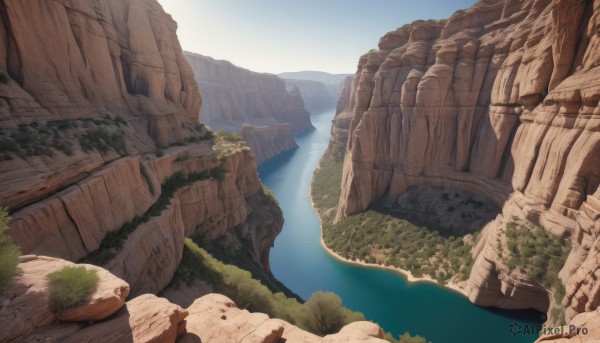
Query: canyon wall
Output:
(341,122)
(269,141)
(316,95)
(501,100)
(235,96)
(333,82)
(103,156)
(91,58)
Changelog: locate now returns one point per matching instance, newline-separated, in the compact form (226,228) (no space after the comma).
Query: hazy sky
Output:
(293,35)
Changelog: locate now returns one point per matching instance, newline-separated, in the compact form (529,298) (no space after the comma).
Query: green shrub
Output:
(234,137)
(249,293)
(63,146)
(218,173)
(184,156)
(102,141)
(159,153)
(70,287)
(120,120)
(324,313)
(9,254)
(235,283)
(63,124)
(3,78)
(114,240)
(559,291)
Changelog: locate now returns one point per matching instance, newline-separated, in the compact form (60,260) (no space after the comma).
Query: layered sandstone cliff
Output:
(316,95)
(500,100)
(235,96)
(102,151)
(93,59)
(269,141)
(341,122)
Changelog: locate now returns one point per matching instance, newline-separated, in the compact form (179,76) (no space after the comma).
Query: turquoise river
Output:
(385,297)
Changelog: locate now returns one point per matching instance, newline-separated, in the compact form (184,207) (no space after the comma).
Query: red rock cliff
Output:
(235,96)
(98,109)
(501,100)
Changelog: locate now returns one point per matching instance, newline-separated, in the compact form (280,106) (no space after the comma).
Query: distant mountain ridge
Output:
(320,76)
(311,92)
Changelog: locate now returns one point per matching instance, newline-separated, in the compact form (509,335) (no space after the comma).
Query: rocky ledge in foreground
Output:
(106,317)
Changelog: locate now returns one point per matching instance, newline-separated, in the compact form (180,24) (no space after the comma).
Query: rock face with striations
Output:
(268,141)
(92,60)
(234,96)
(501,100)
(98,115)
(341,122)
(316,95)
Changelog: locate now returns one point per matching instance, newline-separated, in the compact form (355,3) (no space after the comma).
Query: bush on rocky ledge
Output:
(70,287)
(249,293)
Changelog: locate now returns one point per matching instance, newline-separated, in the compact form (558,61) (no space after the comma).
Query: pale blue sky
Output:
(293,35)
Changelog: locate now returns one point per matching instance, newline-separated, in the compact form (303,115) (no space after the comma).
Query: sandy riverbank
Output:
(411,278)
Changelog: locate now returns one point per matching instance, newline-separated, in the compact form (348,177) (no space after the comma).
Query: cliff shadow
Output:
(448,212)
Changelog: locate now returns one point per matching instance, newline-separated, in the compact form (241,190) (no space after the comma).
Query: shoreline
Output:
(404,273)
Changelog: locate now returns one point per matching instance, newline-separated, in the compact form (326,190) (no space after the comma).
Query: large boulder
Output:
(26,305)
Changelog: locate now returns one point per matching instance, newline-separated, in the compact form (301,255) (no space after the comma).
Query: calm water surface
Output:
(299,261)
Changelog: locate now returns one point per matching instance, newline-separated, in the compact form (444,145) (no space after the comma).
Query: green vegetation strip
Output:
(322,314)
(37,139)
(383,239)
(326,188)
(534,251)
(113,242)
(541,255)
